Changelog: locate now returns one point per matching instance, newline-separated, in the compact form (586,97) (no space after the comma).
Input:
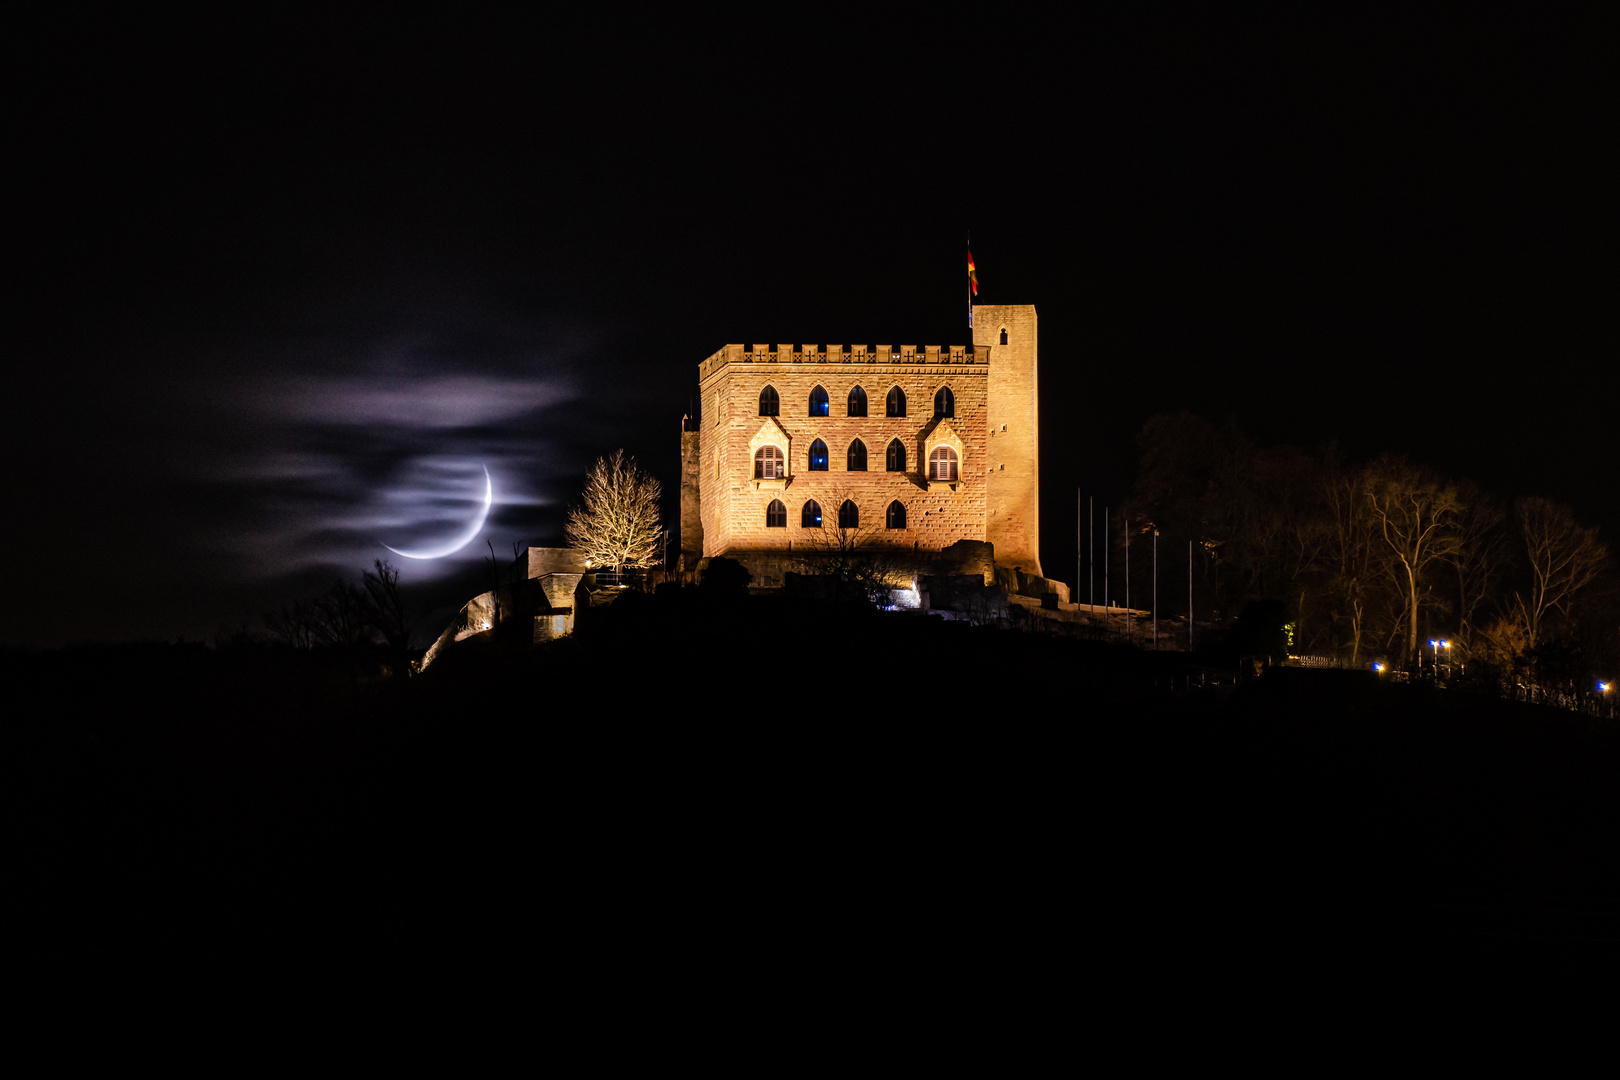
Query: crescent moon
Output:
(466,537)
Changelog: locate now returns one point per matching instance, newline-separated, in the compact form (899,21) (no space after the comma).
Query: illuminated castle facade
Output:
(912,448)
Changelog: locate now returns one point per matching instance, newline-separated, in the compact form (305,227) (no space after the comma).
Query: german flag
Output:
(973,276)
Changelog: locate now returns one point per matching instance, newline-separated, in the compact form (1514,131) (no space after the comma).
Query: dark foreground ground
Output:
(775,799)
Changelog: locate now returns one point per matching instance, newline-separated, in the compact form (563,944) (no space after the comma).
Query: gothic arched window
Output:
(857,402)
(810,517)
(768,462)
(945,402)
(897,402)
(897,515)
(818,402)
(818,456)
(1004,335)
(769,404)
(849,517)
(857,456)
(942,464)
(896,457)
(776,515)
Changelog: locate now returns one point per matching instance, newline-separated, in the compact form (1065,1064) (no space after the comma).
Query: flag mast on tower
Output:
(973,281)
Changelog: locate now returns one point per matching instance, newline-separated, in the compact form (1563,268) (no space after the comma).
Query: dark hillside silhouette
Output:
(703,782)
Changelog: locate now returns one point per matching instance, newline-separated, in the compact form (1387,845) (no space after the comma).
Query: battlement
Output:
(844,354)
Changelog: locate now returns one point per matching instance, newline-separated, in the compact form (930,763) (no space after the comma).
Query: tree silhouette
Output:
(1417,514)
(1565,557)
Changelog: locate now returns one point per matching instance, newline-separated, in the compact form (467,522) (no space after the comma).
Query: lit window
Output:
(768,462)
(942,464)
(857,402)
(818,456)
(769,404)
(810,517)
(776,515)
(818,402)
(857,456)
(849,517)
(897,402)
(896,457)
(897,515)
(945,402)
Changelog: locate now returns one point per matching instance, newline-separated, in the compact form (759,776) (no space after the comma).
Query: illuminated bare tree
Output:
(1565,557)
(1350,555)
(1481,558)
(617,523)
(1417,515)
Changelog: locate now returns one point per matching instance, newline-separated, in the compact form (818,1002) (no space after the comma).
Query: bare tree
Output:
(1350,555)
(294,624)
(1481,557)
(616,523)
(385,611)
(1565,557)
(845,547)
(340,616)
(1416,513)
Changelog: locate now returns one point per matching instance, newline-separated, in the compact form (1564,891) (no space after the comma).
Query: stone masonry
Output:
(993,433)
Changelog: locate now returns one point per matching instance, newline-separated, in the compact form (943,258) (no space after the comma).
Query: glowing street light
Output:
(1437,644)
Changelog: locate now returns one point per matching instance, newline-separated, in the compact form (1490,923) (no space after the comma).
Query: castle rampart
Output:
(799,448)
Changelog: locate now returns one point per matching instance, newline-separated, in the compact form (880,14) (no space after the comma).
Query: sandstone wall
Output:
(1012,517)
(691,495)
(733,516)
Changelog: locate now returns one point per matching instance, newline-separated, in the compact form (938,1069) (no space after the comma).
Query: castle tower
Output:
(1012,520)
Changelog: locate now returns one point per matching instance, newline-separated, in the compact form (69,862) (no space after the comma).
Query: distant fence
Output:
(1601,705)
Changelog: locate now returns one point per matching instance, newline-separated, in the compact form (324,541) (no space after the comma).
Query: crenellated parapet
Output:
(844,354)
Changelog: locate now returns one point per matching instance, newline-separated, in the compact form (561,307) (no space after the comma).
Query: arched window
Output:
(857,456)
(818,402)
(857,402)
(896,457)
(897,402)
(769,404)
(897,515)
(818,456)
(848,516)
(776,515)
(1004,335)
(810,518)
(768,462)
(942,464)
(945,402)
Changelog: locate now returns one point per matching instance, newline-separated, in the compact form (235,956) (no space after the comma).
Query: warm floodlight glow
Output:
(1378,667)
(1603,687)
(465,538)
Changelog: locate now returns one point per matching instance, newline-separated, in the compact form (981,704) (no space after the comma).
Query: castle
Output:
(902,450)
(912,448)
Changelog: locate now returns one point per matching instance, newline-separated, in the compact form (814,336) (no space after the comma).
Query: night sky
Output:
(283,291)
